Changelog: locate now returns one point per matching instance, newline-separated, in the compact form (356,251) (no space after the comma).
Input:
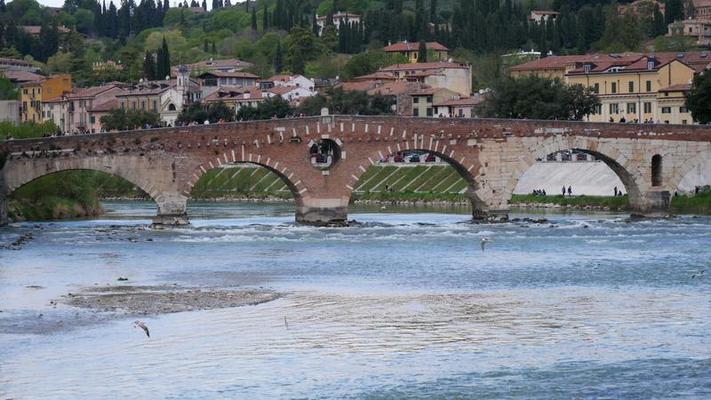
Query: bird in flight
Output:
(142,325)
(698,274)
(483,243)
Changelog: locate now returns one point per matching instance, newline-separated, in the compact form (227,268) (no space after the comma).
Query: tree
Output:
(278,59)
(698,100)
(674,10)
(121,120)
(7,90)
(422,52)
(149,68)
(254,19)
(163,61)
(301,46)
(273,107)
(539,98)
(213,112)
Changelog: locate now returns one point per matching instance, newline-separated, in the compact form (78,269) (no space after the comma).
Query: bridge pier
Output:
(172,211)
(4,220)
(655,203)
(322,212)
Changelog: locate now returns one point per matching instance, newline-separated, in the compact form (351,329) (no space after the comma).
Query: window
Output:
(429,99)
(598,109)
(123,105)
(614,108)
(630,86)
(429,111)
(683,109)
(143,105)
(596,88)
(647,107)
(415,99)
(155,106)
(416,112)
(666,110)
(684,122)
(92,119)
(133,105)
(649,86)
(632,108)
(614,87)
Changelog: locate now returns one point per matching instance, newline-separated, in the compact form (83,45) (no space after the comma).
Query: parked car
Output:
(431,158)
(398,158)
(415,158)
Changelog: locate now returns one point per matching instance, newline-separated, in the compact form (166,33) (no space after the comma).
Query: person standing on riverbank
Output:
(563,190)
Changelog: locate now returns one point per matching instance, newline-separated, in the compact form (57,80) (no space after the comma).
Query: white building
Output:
(338,17)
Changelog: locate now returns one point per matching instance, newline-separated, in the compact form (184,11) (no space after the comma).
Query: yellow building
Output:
(636,91)
(671,103)
(33,94)
(435,50)
(424,101)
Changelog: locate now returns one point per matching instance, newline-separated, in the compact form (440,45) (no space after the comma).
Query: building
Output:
(453,76)
(237,97)
(543,16)
(671,104)
(106,66)
(463,107)
(699,29)
(212,65)
(423,101)
(19,78)
(411,50)
(289,80)
(557,66)
(702,9)
(291,93)
(642,8)
(213,80)
(34,30)
(80,110)
(33,94)
(640,90)
(338,18)
(10,111)
(167,97)
(13,64)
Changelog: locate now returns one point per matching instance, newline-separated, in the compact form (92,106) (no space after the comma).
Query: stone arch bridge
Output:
(491,154)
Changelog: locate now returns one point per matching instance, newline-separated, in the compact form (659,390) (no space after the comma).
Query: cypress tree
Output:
(433,11)
(265,19)
(214,50)
(278,59)
(149,68)
(254,19)
(422,52)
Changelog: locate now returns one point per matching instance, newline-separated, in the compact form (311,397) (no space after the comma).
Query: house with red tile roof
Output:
(435,51)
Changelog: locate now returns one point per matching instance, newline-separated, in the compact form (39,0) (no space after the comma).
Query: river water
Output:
(405,305)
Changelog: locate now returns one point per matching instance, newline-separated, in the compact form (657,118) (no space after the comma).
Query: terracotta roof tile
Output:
(414,46)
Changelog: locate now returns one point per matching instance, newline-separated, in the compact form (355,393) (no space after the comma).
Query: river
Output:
(404,305)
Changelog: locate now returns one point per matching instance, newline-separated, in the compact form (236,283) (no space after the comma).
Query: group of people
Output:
(623,120)
(539,192)
(570,190)
(617,192)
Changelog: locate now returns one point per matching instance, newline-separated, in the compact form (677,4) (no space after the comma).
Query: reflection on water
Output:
(401,306)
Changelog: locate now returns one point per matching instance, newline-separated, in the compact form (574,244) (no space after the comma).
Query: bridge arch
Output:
(464,161)
(17,173)
(635,177)
(232,157)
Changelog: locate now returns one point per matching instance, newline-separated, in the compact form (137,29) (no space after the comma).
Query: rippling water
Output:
(405,305)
